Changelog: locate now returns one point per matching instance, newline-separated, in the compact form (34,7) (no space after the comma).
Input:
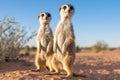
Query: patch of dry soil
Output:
(97,66)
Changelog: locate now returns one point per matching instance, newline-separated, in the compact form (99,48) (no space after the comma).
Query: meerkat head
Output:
(44,18)
(66,11)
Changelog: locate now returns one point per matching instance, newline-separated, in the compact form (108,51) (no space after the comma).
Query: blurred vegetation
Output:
(13,37)
(28,48)
(100,45)
(77,48)
(118,48)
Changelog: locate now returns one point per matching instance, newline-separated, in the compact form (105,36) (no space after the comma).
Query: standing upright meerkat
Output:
(64,39)
(44,42)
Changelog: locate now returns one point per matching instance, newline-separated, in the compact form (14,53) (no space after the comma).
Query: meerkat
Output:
(64,40)
(44,41)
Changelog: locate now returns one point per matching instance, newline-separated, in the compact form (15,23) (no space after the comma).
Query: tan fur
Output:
(44,42)
(64,40)
(53,64)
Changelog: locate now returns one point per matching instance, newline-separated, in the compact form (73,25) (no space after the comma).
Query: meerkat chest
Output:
(64,30)
(43,36)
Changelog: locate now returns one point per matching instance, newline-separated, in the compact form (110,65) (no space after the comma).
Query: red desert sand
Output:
(104,65)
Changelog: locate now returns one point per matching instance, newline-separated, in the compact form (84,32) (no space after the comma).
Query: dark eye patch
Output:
(64,7)
(48,15)
(42,15)
(71,7)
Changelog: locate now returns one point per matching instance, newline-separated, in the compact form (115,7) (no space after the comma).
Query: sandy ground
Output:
(104,65)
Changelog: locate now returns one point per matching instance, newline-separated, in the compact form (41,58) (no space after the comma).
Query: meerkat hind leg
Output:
(37,63)
(67,66)
(68,69)
(55,71)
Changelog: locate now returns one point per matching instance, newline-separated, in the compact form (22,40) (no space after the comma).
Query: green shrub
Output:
(27,49)
(13,37)
(33,48)
(77,49)
(100,45)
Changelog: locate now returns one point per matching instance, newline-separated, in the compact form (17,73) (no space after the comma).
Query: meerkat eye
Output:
(49,15)
(42,15)
(64,7)
(71,8)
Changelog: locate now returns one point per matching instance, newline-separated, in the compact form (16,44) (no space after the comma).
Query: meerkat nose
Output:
(69,10)
(46,18)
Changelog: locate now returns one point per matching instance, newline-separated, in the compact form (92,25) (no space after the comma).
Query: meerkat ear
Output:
(38,17)
(59,9)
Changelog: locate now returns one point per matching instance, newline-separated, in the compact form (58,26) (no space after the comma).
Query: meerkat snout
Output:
(44,18)
(70,9)
(66,11)
(47,16)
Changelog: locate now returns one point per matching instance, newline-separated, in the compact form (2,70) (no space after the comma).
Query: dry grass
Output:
(12,38)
